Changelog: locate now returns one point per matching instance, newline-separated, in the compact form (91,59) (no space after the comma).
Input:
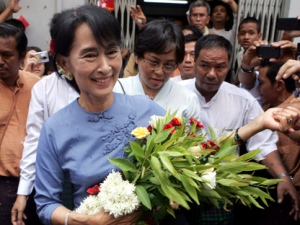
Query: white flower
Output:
(153,120)
(117,196)
(195,150)
(89,206)
(209,180)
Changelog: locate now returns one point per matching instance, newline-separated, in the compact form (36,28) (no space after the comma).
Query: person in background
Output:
(199,15)
(158,49)
(248,72)
(12,8)
(225,106)
(187,67)
(248,31)
(49,95)
(15,93)
(97,124)
(31,62)
(220,16)
(277,94)
(191,29)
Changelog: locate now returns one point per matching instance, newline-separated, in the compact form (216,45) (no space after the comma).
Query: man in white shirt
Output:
(225,106)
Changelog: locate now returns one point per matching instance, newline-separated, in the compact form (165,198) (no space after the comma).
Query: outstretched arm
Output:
(13,7)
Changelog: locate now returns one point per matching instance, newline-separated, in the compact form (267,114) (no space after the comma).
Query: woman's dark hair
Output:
(159,36)
(213,41)
(104,26)
(35,48)
(8,30)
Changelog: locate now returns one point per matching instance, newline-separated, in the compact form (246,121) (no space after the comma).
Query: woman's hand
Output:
(17,212)
(104,218)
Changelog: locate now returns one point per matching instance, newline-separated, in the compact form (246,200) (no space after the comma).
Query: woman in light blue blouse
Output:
(80,138)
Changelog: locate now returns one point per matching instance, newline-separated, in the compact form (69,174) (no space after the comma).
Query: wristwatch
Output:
(285,175)
(247,71)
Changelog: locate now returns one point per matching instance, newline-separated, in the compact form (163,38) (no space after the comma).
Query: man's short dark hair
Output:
(271,73)
(199,3)
(250,19)
(213,41)
(8,30)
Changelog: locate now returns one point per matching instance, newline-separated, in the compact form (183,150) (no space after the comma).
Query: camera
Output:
(42,57)
(267,52)
(288,24)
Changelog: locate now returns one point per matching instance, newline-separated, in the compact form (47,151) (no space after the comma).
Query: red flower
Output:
(52,45)
(93,190)
(168,126)
(149,128)
(199,125)
(175,122)
(211,143)
(204,145)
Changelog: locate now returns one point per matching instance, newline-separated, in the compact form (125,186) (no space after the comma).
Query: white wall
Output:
(39,13)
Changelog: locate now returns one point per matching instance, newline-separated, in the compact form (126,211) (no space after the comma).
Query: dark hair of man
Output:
(16,23)
(271,73)
(213,41)
(199,3)
(195,30)
(190,38)
(8,30)
(104,26)
(250,20)
(160,36)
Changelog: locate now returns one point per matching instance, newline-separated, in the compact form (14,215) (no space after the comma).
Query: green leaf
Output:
(191,174)
(253,201)
(123,164)
(156,166)
(191,190)
(137,149)
(212,133)
(226,151)
(229,182)
(271,182)
(249,155)
(167,164)
(143,196)
(235,167)
(258,192)
(209,193)
(162,136)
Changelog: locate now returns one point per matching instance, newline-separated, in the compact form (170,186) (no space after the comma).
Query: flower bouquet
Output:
(172,164)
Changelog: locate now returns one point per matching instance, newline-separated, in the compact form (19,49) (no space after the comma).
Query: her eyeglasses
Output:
(166,68)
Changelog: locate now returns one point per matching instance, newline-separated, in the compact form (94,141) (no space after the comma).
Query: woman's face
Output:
(156,69)
(95,68)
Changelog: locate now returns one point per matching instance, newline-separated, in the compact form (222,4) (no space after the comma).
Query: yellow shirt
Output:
(14,106)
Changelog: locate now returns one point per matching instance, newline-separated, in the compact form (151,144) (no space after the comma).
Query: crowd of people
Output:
(61,120)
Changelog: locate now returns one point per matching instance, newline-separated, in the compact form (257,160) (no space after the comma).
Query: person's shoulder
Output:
(28,78)
(235,91)
(139,101)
